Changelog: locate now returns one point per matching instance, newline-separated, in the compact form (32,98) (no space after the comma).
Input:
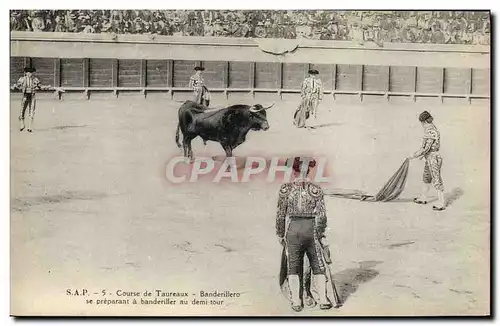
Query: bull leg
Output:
(191,154)
(228,150)
(177,135)
(229,153)
(188,151)
(185,146)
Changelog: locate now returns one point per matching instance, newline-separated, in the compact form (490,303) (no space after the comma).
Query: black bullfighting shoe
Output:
(310,302)
(418,201)
(297,308)
(325,306)
(438,208)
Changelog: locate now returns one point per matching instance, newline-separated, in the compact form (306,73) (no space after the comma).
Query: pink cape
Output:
(390,191)
(307,286)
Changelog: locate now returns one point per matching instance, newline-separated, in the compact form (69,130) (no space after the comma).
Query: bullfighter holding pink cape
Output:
(300,225)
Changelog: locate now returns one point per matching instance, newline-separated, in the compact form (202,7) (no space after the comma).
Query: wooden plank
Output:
(348,77)
(114,72)
(157,73)
(72,72)
(402,79)
(144,73)
(226,74)
(375,78)
(17,65)
(240,75)
(293,75)
(226,77)
(252,74)
(388,82)
(415,82)
(101,73)
(129,73)
(415,78)
(360,73)
(44,70)
(325,74)
(170,73)
(388,88)
(279,75)
(457,81)
(266,75)
(182,71)
(57,72)
(86,72)
(481,81)
(429,80)
(469,80)
(443,81)
(334,78)
(382,93)
(215,74)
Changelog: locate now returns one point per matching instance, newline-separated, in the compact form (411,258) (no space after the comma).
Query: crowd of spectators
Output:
(440,27)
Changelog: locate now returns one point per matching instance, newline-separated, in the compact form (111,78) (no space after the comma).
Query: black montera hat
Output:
(29,69)
(199,68)
(297,163)
(313,72)
(424,116)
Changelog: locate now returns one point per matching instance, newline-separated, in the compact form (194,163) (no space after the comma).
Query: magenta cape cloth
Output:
(391,190)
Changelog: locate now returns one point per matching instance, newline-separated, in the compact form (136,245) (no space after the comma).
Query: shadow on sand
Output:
(401,200)
(349,280)
(361,196)
(24,203)
(324,125)
(450,197)
(62,128)
(453,195)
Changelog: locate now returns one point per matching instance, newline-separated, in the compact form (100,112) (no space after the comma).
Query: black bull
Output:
(228,126)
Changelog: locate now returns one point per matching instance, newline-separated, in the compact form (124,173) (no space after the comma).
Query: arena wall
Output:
(89,64)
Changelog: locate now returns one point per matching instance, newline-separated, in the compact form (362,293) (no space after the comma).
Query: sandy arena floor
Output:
(91,209)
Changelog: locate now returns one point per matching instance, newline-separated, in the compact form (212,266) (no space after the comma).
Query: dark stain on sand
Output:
(186,246)
(25,203)
(460,292)
(401,244)
(453,196)
(402,286)
(226,249)
(349,280)
(63,127)
(325,125)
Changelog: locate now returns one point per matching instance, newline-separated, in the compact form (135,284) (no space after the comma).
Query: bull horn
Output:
(270,106)
(252,109)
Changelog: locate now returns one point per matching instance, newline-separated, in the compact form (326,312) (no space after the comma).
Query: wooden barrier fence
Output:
(135,63)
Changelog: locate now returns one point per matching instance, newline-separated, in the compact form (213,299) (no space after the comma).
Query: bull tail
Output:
(177,135)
